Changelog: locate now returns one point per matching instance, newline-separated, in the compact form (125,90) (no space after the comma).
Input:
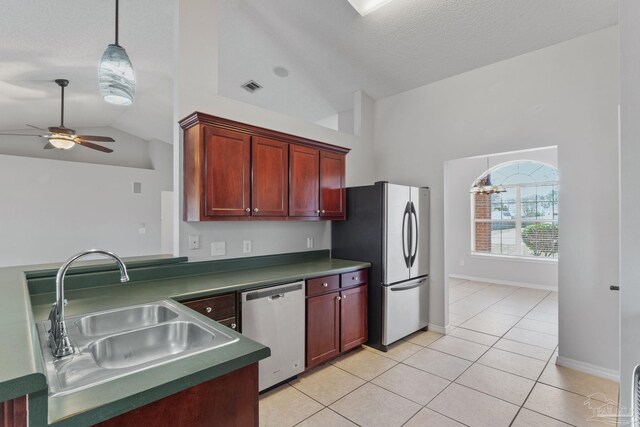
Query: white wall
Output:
(195,89)
(564,95)
(629,200)
(54,203)
(459,176)
(51,209)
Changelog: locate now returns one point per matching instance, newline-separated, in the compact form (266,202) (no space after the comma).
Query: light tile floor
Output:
(496,368)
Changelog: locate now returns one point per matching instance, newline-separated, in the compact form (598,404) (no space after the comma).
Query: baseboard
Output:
(505,282)
(588,368)
(445,330)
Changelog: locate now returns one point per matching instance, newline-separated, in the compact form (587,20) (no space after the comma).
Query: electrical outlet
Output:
(194,241)
(142,228)
(218,248)
(246,247)
(309,242)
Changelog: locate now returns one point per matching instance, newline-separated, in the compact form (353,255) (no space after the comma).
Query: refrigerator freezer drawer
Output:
(405,309)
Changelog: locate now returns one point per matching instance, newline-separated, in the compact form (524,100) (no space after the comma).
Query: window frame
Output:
(518,222)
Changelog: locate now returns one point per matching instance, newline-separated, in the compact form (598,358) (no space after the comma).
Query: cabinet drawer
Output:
(217,308)
(321,285)
(229,323)
(348,280)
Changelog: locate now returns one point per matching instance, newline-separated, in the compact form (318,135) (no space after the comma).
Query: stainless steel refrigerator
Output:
(388,226)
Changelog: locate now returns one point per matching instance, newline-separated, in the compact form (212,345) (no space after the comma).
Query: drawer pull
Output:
(208,309)
(344,297)
(354,278)
(324,285)
(248,210)
(255,209)
(233,326)
(338,298)
(318,211)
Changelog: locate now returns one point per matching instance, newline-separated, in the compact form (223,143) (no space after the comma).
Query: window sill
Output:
(534,260)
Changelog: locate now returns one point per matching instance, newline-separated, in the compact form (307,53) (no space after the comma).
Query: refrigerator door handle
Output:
(407,212)
(414,250)
(406,288)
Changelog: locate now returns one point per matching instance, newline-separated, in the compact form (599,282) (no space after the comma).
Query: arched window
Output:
(522,221)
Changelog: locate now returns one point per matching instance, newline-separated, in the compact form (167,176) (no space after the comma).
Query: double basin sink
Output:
(114,343)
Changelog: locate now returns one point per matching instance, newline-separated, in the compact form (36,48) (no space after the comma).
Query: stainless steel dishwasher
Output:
(274,317)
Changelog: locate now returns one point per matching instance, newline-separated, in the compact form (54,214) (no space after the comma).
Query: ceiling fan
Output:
(64,138)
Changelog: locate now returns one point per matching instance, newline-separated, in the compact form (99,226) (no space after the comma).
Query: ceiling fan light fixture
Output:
(116,76)
(61,142)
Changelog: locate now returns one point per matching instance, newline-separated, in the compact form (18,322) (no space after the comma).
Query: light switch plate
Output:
(246,247)
(194,241)
(218,248)
(309,242)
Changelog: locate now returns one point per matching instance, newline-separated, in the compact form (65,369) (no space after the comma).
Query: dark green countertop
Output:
(22,371)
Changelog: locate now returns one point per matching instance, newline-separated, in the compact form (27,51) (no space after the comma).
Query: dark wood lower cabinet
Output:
(228,401)
(323,328)
(336,316)
(13,413)
(353,318)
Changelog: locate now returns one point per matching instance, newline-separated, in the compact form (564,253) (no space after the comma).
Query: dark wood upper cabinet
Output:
(353,318)
(332,186)
(227,166)
(236,171)
(270,171)
(304,179)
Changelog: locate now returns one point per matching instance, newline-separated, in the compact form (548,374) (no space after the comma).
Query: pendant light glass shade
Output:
(116,75)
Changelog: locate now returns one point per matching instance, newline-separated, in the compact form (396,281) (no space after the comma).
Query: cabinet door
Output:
(304,181)
(353,315)
(227,173)
(332,186)
(270,172)
(323,328)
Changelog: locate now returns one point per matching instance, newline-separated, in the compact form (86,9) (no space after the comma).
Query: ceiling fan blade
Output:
(48,146)
(35,127)
(96,138)
(19,134)
(94,146)
(61,129)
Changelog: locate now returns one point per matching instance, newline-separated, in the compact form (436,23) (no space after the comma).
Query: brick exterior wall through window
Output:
(483,229)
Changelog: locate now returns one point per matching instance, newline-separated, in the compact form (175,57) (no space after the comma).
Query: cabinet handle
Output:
(247,210)
(325,285)
(338,298)
(344,297)
(322,211)
(317,210)
(208,309)
(255,209)
(233,326)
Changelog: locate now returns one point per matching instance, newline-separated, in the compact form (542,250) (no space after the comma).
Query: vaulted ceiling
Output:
(328,48)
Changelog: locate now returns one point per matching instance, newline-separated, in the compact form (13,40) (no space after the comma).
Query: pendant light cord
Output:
(117,23)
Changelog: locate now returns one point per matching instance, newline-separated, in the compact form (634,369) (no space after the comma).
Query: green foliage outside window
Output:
(541,239)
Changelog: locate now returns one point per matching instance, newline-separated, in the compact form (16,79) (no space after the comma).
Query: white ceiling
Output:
(328,48)
(41,40)
(331,51)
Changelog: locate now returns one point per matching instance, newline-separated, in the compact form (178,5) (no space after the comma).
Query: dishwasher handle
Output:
(272,293)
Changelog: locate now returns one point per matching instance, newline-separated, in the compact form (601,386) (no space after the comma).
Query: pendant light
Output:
(483,184)
(116,75)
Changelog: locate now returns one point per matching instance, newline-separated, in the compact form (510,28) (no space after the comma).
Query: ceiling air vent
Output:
(251,86)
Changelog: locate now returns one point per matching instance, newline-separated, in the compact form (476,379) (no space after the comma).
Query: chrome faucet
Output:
(58,338)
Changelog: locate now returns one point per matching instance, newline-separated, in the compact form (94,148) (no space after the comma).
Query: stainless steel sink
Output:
(115,343)
(115,321)
(146,345)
